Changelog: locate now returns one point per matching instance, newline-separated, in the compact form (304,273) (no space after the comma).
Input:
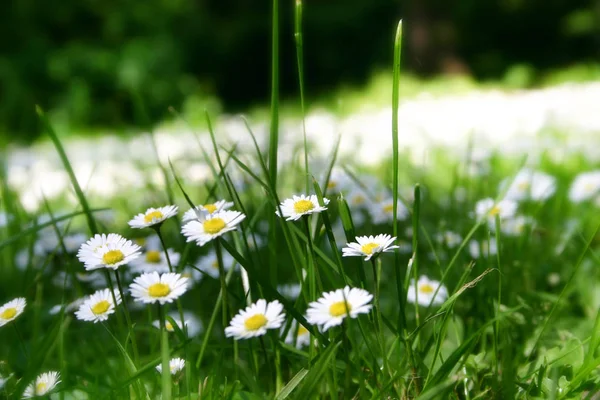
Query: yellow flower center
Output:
(523,186)
(151,216)
(388,208)
(255,322)
(159,290)
(302,331)
(9,313)
(153,256)
(426,288)
(169,326)
(369,247)
(358,199)
(302,206)
(340,308)
(112,257)
(494,211)
(140,241)
(331,185)
(211,208)
(100,307)
(40,388)
(215,264)
(213,226)
(589,187)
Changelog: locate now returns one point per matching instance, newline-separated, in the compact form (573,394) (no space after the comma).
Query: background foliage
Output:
(86,60)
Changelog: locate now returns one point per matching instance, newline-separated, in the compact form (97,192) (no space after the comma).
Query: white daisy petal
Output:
(98,306)
(107,251)
(152,287)
(369,246)
(256,319)
(43,385)
(11,310)
(210,226)
(331,309)
(426,290)
(211,208)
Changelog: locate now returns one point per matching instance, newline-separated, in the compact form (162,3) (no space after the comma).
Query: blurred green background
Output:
(86,60)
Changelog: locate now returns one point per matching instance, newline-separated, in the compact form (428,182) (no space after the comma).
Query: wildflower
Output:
(43,384)
(382,212)
(11,310)
(209,264)
(98,306)
(153,216)
(152,288)
(192,323)
(300,334)
(194,213)
(530,185)
(154,260)
(290,290)
(256,319)
(331,309)
(483,249)
(369,246)
(489,209)
(68,307)
(110,251)
(426,291)
(585,186)
(517,225)
(449,238)
(175,365)
(210,226)
(339,181)
(296,207)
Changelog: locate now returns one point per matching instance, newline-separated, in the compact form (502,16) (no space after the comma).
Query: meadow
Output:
(286,274)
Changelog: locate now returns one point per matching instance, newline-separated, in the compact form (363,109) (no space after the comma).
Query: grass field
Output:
(486,287)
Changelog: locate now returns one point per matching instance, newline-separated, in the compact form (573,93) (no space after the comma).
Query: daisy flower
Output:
(585,186)
(382,212)
(110,251)
(483,249)
(175,365)
(339,181)
(296,207)
(11,310)
(154,260)
(43,384)
(488,208)
(153,216)
(300,334)
(331,309)
(210,226)
(449,238)
(369,246)
(426,290)
(68,307)
(256,319)
(210,265)
(529,185)
(194,213)
(152,288)
(98,306)
(517,225)
(192,323)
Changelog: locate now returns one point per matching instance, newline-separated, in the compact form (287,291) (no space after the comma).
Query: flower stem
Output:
(222,279)
(164,351)
(136,356)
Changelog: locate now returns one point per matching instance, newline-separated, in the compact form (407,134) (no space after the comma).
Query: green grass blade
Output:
(292,384)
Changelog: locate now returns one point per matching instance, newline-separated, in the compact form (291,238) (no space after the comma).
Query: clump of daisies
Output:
(43,385)
(369,246)
(153,217)
(99,306)
(529,185)
(298,206)
(333,307)
(107,251)
(255,320)
(424,292)
(11,310)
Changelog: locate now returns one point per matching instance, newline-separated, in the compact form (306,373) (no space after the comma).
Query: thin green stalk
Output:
(415,257)
(274,130)
(132,338)
(311,278)
(497,325)
(376,264)
(395,160)
(222,280)
(300,60)
(164,351)
(21,341)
